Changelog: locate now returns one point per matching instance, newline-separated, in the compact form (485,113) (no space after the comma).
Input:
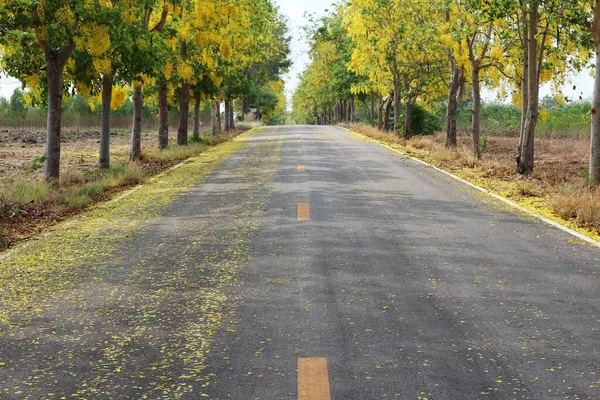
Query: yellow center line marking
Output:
(313,379)
(300,169)
(300,151)
(303,212)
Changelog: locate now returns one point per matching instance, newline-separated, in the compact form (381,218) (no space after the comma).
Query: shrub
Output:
(424,122)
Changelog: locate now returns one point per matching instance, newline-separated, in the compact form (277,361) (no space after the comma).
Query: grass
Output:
(558,187)
(26,202)
(563,121)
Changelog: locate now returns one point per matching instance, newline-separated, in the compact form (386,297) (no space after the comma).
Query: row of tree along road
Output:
(177,52)
(409,52)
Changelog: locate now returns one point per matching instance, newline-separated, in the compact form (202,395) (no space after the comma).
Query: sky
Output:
(295,12)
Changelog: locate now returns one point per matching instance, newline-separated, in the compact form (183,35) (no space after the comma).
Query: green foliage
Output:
(483,144)
(36,164)
(425,122)
(569,120)
(17,106)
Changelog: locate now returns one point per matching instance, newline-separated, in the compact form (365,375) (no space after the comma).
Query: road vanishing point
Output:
(301,263)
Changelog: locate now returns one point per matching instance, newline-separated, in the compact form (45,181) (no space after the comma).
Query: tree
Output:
(38,37)
(17,106)
(395,43)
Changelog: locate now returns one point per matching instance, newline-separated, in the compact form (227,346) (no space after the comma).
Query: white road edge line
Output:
(24,244)
(511,203)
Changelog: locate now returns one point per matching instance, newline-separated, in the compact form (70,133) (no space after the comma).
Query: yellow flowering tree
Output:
(41,36)
(395,41)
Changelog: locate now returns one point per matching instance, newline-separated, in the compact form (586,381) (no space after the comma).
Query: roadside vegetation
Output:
(28,204)
(558,188)
(122,90)
(411,73)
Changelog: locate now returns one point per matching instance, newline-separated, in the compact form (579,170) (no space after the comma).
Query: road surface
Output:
(302,263)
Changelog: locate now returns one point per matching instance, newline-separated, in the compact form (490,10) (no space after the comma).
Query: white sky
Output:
(295,11)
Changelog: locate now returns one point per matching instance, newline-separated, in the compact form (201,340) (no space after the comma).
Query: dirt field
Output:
(22,164)
(19,150)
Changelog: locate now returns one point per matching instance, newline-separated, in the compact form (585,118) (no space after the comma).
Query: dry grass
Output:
(28,204)
(558,178)
(582,206)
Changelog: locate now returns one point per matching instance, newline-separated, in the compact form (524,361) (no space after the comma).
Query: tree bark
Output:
(184,112)
(163,117)
(372,110)
(215,119)
(55,64)
(476,115)
(351,107)
(388,109)
(380,114)
(396,105)
(595,131)
(197,102)
(524,85)
(245,107)
(231,116)
(525,162)
(184,104)
(451,114)
(136,130)
(226,114)
(107,87)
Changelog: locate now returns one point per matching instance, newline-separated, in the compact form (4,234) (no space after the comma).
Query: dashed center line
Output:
(300,169)
(303,212)
(313,379)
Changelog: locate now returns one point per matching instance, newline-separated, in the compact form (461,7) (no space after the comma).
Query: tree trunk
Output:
(454,88)
(184,104)
(396,105)
(184,112)
(197,102)
(372,110)
(595,134)
(107,87)
(136,130)
(53,127)
(388,109)
(226,114)
(231,116)
(163,116)
(55,64)
(219,126)
(524,85)
(380,114)
(351,107)
(215,120)
(245,107)
(407,118)
(476,115)
(525,162)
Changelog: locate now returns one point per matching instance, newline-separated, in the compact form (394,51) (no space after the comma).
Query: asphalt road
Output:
(410,284)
